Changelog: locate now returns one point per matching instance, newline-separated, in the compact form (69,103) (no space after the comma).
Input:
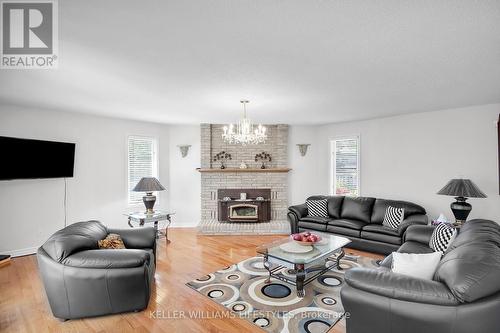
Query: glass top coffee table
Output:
(307,262)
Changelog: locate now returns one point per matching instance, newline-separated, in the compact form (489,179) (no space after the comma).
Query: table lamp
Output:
(148,185)
(461,189)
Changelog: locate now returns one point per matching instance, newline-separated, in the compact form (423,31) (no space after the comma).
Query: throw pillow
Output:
(393,217)
(422,266)
(112,241)
(317,208)
(442,237)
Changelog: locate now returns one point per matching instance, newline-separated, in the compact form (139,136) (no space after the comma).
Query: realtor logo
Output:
(29,34)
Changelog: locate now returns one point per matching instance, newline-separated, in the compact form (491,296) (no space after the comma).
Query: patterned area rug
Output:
(274,306)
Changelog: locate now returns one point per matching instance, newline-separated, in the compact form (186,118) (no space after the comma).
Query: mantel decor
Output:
(222,157)
(263,158)
(461,189)
(245,132)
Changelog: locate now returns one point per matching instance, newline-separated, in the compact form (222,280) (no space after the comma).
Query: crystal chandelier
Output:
(245,132)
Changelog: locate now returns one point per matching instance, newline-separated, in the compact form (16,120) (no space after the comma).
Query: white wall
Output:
(31,210)
(411,157)
(405,157)
(185,183)
(303,179)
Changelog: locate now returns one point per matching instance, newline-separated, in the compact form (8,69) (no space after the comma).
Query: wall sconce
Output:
(303,148)
(184,149)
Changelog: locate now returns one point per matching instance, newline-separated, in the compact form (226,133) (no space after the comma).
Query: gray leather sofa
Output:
(359,219)
(83,281)
(463,297)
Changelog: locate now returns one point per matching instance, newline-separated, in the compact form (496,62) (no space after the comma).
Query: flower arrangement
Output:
(263,157)
(222,157)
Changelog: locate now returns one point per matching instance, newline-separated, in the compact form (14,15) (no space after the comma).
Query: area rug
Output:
(275,307)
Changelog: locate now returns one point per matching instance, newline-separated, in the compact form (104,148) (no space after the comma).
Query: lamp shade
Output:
(148,184)
(462,188)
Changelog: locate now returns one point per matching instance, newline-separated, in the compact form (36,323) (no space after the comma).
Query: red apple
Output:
(313,238)
(297,237)
(306,234)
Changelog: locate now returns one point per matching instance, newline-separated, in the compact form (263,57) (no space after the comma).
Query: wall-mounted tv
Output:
(30,159)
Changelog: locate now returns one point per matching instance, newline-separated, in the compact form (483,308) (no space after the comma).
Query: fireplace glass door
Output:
(243,212)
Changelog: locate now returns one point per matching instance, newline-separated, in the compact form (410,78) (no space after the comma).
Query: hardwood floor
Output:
(24,307)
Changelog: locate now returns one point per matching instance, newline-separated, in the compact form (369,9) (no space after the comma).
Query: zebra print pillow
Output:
(317,208)
(393,217)
(442,237)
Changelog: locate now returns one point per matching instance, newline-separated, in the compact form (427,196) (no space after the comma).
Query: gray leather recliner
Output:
(464,295)
(83,281)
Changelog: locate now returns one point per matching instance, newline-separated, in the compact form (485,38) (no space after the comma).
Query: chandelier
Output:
(245,132)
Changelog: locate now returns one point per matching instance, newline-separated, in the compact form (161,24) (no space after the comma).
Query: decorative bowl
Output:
(303,242)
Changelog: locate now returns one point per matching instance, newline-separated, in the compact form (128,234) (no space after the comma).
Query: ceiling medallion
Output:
(245,132)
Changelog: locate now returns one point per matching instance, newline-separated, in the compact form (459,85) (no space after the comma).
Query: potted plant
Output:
(263,158)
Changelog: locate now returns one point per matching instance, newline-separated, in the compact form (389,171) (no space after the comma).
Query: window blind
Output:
(346,166)
(142,162)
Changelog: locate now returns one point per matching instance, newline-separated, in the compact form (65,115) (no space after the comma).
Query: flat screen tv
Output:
(30,159)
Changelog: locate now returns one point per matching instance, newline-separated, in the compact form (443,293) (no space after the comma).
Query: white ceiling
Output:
(299,62)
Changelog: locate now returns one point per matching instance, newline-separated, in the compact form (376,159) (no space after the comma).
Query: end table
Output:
(141,218)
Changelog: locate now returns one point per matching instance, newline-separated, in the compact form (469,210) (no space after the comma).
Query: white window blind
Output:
(345,162)
(142,162)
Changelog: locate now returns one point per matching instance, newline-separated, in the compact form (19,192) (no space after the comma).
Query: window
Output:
(345,166)
(142,162)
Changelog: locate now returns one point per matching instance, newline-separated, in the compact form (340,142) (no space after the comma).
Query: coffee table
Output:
(308,265)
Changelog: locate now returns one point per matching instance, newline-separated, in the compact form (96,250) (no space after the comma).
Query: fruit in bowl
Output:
(306,238)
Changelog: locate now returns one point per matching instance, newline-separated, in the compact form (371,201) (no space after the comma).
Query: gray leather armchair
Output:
(83,281)
(464,295)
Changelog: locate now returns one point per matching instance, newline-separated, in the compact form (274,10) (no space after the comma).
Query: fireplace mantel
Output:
(270,170)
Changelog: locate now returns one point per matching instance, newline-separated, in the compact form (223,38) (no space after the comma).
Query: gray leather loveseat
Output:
(359,219)
(463,297)
(83,281)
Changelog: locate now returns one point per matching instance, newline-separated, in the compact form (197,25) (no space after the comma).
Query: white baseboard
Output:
(22,252)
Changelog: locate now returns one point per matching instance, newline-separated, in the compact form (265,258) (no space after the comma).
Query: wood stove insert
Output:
(253,206)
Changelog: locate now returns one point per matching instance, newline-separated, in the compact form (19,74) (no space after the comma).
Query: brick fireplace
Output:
(214,181)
